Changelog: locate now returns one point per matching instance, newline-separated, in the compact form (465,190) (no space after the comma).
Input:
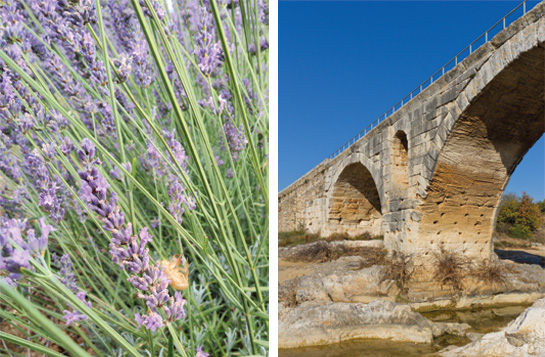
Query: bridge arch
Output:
(400,160)
(501,117)
(354,202)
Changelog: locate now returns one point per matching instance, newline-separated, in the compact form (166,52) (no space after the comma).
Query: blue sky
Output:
(342,64)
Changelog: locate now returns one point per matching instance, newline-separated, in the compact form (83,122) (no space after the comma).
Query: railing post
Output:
(524,8)
(504,23)
(471,48)
(486,37)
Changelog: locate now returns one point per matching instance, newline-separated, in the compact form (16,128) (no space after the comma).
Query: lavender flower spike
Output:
(67,279)
(208,51)
(128,250)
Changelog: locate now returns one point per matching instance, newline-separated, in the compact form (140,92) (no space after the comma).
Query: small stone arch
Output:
(354,203)
(400,160)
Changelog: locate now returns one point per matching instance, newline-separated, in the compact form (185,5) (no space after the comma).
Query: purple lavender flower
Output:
(201,353)
(176,309)
(177,149)
(50,195)
(207,48)
(143,72)
(263,45)
(219,161)
(80,13)
(236,140)
(18,245)
(68,279)
(152,321)
(123,67)
(38,245)
(156,6)
(153,162)
(157,167)
(128,250)
(64,23)
(177,198)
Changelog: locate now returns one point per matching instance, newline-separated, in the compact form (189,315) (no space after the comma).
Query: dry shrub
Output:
(492,272)
(369,257)
(362,236)
(287,239)
(450,269)
(317,252)
(323,251)
(337,237)
(399,267)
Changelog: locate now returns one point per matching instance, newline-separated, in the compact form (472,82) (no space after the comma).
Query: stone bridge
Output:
(432,174)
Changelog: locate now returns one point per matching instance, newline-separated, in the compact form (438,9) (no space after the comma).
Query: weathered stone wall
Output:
(463,136)
(300,204)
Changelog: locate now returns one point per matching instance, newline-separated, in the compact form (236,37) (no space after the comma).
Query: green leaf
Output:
(47,258)
(39,319)
(170,346)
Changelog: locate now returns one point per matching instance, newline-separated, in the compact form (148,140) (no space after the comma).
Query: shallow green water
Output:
(481,321)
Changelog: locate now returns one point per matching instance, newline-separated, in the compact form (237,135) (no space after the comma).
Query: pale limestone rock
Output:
(311,325)
(525,336)
(452,328)
(338,281)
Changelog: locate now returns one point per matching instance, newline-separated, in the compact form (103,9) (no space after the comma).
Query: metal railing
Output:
(434,77)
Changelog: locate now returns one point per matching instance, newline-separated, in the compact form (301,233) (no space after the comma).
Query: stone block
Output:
(540,30)
(417,140)
(448,96)
(462,101)
(504,35)
(395,204)
(416,150)
(431,105)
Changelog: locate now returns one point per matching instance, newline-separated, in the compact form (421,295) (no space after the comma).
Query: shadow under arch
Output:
(484,147)
(354,205)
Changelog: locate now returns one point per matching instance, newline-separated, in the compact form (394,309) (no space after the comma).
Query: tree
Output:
(519,216)
(541,206)
(529,214)
(509,208)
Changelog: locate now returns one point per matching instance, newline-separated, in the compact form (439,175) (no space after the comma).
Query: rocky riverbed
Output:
(345,291)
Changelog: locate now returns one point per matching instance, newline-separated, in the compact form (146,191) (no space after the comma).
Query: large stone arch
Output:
(354,201)
(501,115)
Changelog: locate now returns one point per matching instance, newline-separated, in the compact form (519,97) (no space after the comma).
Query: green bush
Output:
(518,231)
(518,216)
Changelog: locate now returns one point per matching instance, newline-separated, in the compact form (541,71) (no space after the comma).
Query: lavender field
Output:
(134,178)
